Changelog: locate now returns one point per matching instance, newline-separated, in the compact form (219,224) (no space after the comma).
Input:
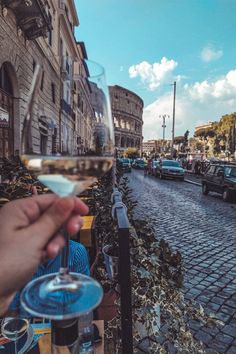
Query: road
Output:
(203,229)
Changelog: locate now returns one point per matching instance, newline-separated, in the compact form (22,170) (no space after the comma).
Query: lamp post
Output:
(173,123)
(163,117)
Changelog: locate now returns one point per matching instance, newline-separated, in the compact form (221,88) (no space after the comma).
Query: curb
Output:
(192,182)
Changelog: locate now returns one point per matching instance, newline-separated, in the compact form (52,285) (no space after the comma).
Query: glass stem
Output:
(15,342)
(64,267)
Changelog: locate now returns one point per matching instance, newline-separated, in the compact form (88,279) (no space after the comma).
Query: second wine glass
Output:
(69,172)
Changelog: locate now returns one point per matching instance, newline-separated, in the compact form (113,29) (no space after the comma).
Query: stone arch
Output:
(117,140)
(122,143)
(10,105)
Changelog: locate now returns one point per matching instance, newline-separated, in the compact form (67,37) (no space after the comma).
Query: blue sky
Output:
(146,45)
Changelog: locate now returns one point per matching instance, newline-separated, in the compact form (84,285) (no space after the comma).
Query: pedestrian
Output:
(30,234)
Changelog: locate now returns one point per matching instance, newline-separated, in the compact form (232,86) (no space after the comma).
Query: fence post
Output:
(120,213)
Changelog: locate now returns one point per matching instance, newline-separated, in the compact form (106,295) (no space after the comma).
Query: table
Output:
(85,235)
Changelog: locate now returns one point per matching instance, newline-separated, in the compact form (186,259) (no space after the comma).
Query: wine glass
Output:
(66,295)
(14,329)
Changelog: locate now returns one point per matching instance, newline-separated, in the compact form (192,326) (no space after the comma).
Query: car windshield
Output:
(155,163)
(170,163)
(140,162)
(230,171)
(125,160)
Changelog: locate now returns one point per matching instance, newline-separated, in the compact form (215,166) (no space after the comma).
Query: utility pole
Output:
(164,116)
(173,123)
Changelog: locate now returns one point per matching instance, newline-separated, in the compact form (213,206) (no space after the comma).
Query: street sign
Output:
(4,118)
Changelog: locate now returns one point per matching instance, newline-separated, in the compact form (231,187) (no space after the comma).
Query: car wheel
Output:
(226,195)
(205,189)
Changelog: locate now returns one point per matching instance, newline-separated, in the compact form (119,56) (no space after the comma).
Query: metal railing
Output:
(119,213)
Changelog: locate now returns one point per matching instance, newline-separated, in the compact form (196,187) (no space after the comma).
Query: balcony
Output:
(31,16)
(66,107)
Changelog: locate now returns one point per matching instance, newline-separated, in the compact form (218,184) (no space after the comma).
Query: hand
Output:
(29,233)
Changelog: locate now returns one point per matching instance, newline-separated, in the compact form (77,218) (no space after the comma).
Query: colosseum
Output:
(127,112)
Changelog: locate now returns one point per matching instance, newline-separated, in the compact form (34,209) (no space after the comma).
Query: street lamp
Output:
(163,117)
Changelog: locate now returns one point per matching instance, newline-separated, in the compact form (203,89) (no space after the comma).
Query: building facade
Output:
(22,45)
(156,147)
(127,112)
(61,112)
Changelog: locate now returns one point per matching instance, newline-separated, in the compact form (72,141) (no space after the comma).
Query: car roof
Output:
(223,164)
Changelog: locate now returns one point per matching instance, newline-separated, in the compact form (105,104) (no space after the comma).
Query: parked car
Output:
(220,178)
(172,169)
(155,168)
(125,164)
(139,164)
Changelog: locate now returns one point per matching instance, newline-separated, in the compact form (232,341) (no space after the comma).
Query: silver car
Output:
(171,169)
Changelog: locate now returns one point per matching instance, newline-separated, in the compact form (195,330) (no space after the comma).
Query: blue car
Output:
(139,164)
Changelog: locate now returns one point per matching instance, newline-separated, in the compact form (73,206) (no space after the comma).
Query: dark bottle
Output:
(65,336)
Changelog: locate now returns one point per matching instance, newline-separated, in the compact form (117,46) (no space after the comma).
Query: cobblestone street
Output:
(203,228)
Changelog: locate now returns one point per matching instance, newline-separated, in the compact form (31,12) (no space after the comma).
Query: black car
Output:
(220,178)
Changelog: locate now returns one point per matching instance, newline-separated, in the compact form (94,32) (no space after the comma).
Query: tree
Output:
(185,143)
(226,133)
(131,153)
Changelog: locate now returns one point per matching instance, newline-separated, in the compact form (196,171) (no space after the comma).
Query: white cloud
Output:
(209,53)
(153,75)
(197,103)
(222,89)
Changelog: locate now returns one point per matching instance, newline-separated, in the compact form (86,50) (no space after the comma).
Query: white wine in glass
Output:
(65,295)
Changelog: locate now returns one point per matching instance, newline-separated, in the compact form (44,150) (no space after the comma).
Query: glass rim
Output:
(95,64)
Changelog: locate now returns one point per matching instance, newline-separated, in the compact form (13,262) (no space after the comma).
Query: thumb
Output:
(51,221)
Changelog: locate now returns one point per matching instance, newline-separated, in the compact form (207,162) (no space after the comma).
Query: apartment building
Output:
(42,32)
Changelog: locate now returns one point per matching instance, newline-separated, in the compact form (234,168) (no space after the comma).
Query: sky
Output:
(146,45)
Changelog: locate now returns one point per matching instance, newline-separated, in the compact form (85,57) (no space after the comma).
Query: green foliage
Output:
(205,133)
(225,133)
(179,140)
(131,153)
(157,277)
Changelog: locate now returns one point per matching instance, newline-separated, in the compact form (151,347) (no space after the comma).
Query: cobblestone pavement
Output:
(203,228)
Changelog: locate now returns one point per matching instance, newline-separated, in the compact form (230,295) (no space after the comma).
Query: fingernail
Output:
(56,249)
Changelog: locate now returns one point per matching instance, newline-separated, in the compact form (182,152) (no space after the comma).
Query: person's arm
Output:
(29,233)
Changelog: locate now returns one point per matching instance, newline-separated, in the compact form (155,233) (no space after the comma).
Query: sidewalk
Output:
(190,177)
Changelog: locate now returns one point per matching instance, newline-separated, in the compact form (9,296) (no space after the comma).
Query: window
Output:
(5,80)
(42,81)
(53,89)
(211,169)
(43,144)
(218,169)
(61,47)
(67,63)
(50,31)
(34,65)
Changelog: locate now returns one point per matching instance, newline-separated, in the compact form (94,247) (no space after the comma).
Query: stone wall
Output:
(127,111)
